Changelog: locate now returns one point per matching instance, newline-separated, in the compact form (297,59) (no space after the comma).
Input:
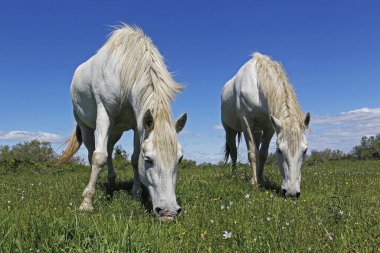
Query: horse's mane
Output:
(141,68)
(281,98)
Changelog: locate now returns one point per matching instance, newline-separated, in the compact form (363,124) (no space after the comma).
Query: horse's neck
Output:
(286,108)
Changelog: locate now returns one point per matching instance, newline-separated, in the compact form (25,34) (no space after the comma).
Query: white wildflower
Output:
(227,235)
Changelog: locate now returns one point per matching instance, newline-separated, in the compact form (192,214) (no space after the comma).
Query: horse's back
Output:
(241,98)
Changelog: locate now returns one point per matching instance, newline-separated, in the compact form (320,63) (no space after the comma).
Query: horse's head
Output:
(291,150)
(158,164)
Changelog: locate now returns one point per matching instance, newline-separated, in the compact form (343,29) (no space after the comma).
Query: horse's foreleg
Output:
(136,189)
(99,157)
(251,146)
(257,137)
(111,143)
(263,154)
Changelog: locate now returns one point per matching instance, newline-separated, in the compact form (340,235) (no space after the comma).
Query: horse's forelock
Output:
(165,142)
(293,135)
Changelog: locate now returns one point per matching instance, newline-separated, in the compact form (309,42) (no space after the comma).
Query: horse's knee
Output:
(252,156)
(99,159)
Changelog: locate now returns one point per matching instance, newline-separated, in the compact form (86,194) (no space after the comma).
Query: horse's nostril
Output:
(298,194)
(179,211)
(158,210)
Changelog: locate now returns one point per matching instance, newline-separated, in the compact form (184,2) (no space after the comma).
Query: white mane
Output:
(142,69)
(281,98)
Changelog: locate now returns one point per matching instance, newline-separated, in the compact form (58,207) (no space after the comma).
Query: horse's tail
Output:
(238,138)
(227,149)
(227,152)
(72,145)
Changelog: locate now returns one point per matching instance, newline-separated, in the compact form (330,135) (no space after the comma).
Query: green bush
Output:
(317,157)
(185,163)
(26,155)
(369,148)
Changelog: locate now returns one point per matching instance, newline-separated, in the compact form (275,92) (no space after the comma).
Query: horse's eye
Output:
(149,160)
(180,160)
(304,152)
(279,151)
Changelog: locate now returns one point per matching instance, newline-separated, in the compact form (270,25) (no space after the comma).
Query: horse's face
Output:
(157,175)
(290,159)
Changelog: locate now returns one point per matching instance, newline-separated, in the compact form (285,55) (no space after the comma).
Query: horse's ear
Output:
(276,124)
(148,121)
(307,120)
(181,122)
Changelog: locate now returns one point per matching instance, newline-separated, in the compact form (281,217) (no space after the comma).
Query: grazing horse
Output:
(259,101)
(126,86)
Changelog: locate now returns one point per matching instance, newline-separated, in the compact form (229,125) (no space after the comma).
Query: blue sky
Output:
(330,50)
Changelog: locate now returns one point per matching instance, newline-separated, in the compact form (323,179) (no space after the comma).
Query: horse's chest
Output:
(124,119)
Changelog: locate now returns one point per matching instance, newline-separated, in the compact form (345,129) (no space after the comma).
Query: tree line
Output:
(40,155)
(368,149)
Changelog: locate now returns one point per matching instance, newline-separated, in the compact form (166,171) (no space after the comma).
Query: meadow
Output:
(338,211)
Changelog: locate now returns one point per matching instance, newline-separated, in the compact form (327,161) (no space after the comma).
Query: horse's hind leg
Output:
(263,154)
(136,189)
(111,143)
(99,157)
(230,148)
(251,146)
(88,137)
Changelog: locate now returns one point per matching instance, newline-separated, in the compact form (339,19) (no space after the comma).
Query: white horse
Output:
(259,101)
(125,86)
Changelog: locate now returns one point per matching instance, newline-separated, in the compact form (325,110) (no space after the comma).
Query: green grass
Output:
(339,211)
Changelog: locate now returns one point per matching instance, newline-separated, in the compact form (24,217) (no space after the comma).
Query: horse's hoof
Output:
(254,182)
(86,207)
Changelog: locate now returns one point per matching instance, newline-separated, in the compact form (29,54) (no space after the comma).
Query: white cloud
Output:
(343,131)
(218,127)
(28,136)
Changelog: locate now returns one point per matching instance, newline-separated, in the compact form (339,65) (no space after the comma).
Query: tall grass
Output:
(339,211)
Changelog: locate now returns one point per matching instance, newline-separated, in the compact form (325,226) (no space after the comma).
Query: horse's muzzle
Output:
(286,193)
(165,215)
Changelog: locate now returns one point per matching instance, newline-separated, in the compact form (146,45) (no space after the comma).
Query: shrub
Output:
(26,155)
(187,164)
(369,148)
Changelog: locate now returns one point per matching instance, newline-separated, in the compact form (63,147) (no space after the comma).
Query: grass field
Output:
(339,211)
